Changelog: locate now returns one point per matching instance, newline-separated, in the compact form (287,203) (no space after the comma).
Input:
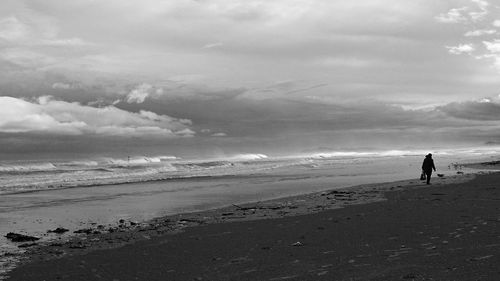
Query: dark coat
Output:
(428,165)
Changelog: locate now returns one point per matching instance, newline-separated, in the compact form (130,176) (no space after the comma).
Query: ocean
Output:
(40,195)
(18,176)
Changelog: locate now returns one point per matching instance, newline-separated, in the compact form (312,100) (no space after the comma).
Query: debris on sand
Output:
(16,237)
(59,230)
(26,245)
(84,230)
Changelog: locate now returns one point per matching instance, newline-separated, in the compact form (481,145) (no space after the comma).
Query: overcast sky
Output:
(204,76)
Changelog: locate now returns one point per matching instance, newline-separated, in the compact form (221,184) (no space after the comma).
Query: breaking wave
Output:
(141,160)
(81,163)
(356,154)
(27,167)
(104,171)
(247,157)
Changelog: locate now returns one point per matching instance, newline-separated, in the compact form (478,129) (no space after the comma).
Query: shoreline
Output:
(129,232)
(167,179)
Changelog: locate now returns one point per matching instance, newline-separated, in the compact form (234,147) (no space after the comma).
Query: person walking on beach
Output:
(428,166)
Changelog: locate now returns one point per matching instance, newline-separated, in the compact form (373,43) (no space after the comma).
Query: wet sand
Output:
(395,231)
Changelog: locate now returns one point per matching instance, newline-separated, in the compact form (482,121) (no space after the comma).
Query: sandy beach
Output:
(393,231)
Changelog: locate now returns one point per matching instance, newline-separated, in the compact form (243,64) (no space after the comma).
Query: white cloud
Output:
(480,32)
(492,46)
(46,115)
(65,86)
(219,135)
(454,15)
(59,85)
(477,16)
(465,14)
(69,42)
(213,45)
(461,49)
(141,92)
(185,133)
(162,118)
(483,10)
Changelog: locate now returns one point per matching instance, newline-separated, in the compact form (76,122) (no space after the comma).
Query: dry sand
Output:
(394,231)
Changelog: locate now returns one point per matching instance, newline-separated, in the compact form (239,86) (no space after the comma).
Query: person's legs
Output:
(428,177)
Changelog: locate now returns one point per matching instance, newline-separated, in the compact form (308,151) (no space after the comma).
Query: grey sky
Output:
(287,74)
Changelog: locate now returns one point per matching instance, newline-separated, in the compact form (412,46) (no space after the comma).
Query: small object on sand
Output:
(16,237)
(460,173)
(480,258)
(440,175)
(84,230)
(297,244)
(409,276)
(26,245)
(59,230)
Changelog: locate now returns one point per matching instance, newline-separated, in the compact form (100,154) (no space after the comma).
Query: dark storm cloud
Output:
(473,110)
